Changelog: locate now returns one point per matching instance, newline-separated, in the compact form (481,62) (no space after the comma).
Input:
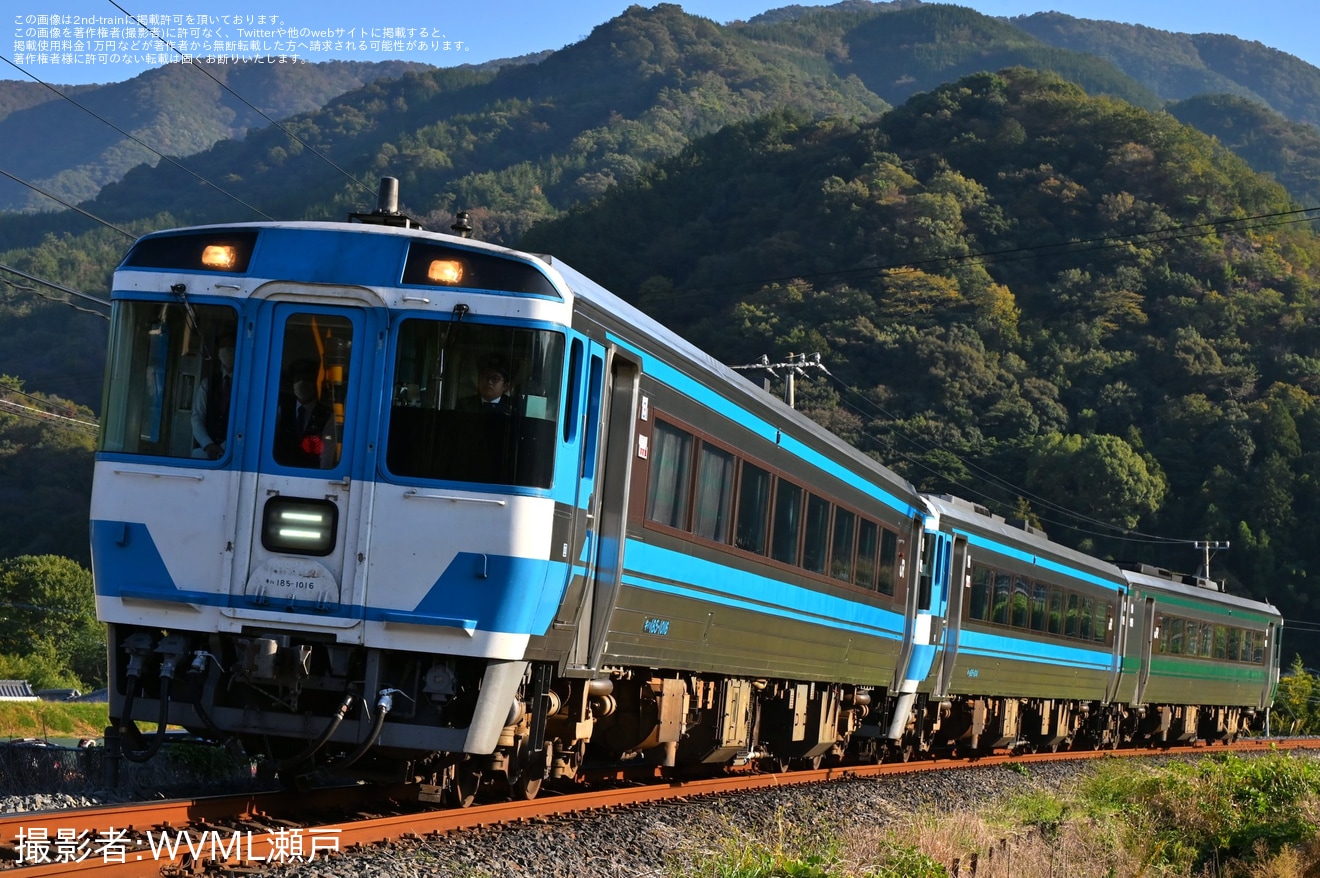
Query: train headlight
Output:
(299,527)
(445,271)
(219,257)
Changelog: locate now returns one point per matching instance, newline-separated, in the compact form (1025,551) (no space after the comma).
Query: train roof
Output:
(1158,579)
(1016,533)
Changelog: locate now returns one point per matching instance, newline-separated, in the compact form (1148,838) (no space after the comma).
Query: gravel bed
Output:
(647,841)
(643,842)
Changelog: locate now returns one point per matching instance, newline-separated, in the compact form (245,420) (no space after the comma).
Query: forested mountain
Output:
(1180,65)
(1288,151)
(1028,296)
(176,110)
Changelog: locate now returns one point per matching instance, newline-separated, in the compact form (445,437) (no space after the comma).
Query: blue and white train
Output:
(423,508)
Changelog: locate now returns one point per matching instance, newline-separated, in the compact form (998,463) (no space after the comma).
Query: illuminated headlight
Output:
(219,257)
(445,271)
(299,527)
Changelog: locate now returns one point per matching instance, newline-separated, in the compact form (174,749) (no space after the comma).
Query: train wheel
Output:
(463,788)
(535,769)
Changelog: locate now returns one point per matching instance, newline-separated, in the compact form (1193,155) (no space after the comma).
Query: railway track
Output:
(247,833)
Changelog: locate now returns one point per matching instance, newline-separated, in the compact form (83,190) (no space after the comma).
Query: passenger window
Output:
(868,538)
(1039,592)
(1086,618)
(1021,603)
(841,553)
(815,545)
(788,523)
(978,606)
(671,473)
(887,579)
(1003,596)
(753,509)
(1056,611)
(1071,620)
(715,470)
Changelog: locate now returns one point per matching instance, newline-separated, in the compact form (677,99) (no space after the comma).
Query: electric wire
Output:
(136,139)
(23,274)
(73,207)
(249,104)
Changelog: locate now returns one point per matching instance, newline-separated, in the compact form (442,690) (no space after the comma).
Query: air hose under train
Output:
(384,702)
(161,721)
(314,747)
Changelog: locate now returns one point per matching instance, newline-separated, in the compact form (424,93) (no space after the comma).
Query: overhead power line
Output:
(72,292)
(135,139)
(35,188)
(191,61)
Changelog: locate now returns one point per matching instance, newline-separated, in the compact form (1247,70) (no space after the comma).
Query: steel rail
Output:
(259,845)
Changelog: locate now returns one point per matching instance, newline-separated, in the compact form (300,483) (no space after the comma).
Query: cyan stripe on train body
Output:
(665,571)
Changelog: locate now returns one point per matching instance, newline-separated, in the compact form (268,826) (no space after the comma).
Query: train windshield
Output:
(475,403)
(169,381)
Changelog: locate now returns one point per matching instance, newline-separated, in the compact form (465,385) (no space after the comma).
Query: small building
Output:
(16,690)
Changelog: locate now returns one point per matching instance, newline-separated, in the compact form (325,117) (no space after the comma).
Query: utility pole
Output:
(1208,546)
(793,366)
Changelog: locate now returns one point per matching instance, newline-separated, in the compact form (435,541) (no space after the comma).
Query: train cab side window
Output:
(475,402)
(171,381)
(671,476)
(753,509)
(714,500)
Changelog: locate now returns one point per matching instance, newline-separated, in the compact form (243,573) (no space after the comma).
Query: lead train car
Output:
(309,535)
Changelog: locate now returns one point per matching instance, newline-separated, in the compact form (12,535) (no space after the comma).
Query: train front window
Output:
(475,403)
(170,380)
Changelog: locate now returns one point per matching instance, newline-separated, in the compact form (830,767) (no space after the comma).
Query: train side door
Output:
(926,610)
(607,510)
(306,467)
(1149,635)
(960,580)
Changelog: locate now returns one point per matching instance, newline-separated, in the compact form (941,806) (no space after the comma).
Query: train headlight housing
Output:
(299,526)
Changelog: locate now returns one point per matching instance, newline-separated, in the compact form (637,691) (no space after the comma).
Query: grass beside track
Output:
(1218,817)
(52,719)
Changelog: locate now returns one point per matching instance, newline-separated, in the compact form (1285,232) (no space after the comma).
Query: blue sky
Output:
(444,32)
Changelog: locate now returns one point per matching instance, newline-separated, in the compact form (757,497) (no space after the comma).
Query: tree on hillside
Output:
(48,613)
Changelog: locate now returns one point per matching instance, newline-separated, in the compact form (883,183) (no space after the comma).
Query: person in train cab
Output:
(211,402)
(492,390)
(303,432)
